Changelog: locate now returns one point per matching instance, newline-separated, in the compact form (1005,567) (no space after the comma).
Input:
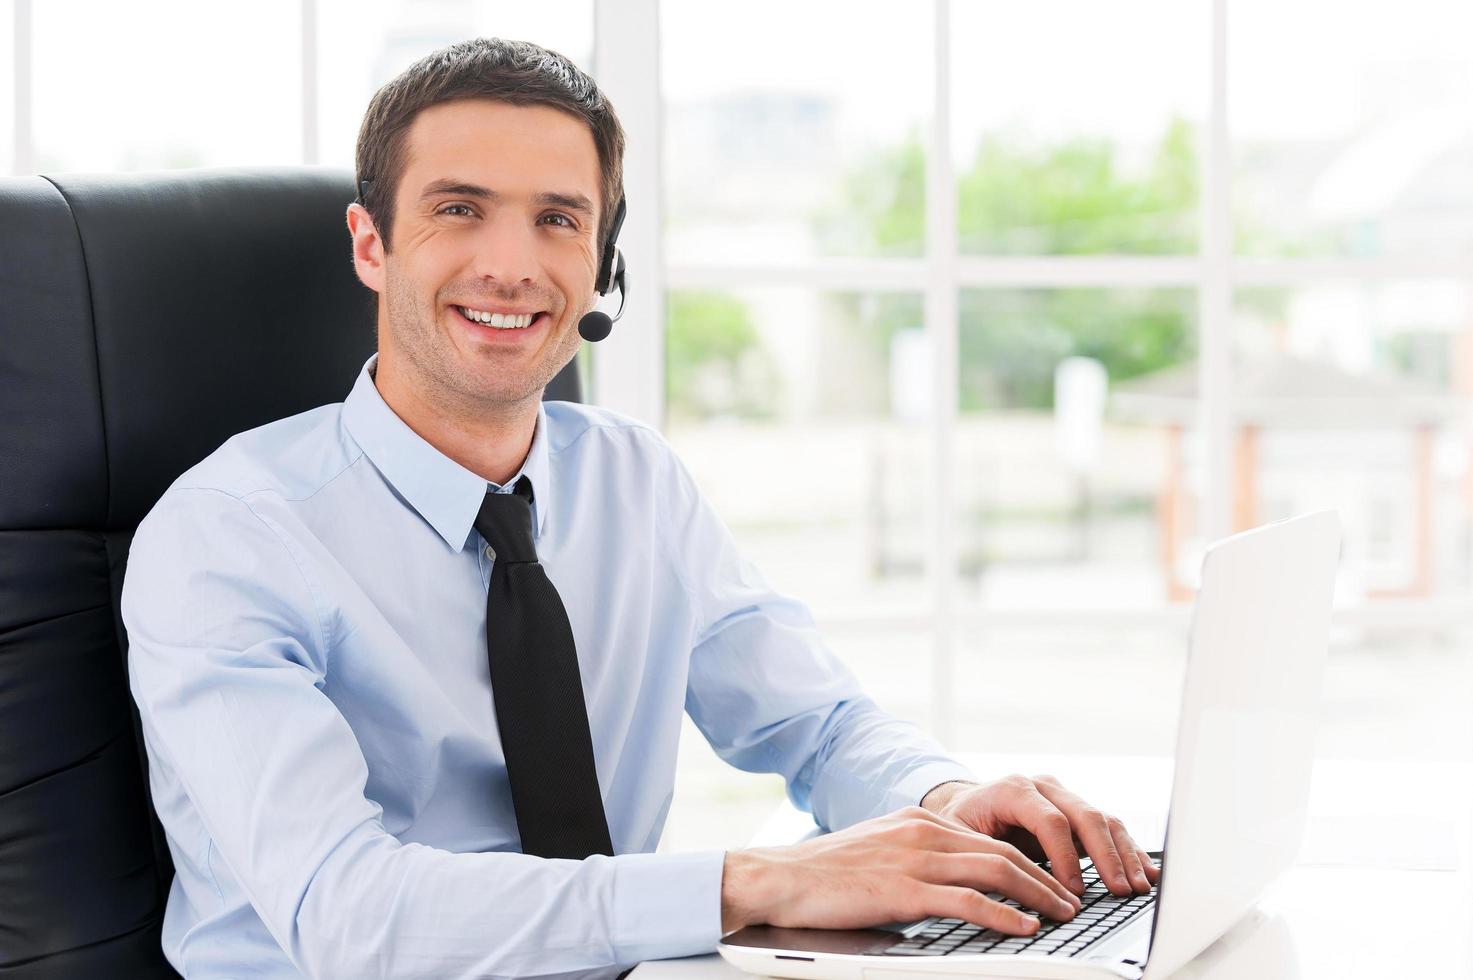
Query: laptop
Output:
(1245,746)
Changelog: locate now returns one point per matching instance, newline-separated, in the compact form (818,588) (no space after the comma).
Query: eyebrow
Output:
(449,185)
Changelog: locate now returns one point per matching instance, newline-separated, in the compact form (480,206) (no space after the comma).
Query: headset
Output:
(595,324)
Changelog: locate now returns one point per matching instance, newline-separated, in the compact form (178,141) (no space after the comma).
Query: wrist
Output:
(744,880)
(942,793)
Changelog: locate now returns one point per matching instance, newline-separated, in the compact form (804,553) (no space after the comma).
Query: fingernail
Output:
(1077,884)
(1029,923)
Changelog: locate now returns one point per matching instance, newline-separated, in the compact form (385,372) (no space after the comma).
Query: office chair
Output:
(144,319)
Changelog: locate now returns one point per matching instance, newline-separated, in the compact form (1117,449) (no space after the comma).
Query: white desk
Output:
(1393,842)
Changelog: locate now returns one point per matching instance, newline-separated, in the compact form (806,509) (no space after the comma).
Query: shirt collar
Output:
(443,492)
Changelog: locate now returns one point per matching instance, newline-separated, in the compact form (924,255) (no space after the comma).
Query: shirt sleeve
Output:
(230,644)
(770,696)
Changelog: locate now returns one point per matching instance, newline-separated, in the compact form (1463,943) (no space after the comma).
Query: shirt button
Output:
(490,552)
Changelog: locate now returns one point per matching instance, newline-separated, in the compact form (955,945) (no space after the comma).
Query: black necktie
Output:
(538,691)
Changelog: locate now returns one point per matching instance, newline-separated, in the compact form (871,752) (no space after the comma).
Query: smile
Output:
(501,321)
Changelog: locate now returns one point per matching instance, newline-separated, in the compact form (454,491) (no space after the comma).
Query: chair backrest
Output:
(144,319)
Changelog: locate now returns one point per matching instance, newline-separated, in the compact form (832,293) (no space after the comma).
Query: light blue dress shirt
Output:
(306,615)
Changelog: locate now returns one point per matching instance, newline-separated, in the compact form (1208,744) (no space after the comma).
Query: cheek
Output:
(574,277)
(435,257)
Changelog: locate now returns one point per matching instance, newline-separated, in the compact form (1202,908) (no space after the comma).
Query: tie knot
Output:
(505,521)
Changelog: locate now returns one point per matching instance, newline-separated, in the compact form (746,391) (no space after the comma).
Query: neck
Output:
(492,445)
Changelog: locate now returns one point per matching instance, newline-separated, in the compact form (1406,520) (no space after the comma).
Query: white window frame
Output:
(942,272)
(628,370)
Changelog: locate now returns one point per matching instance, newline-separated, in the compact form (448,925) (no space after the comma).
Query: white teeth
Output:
(504,321)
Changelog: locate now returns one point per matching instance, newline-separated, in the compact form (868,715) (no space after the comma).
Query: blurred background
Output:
(975,320)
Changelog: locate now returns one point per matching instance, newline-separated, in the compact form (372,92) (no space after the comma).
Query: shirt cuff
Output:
(917,783)
(667,905)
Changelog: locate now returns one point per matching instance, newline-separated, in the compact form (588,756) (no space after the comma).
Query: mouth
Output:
(496,325)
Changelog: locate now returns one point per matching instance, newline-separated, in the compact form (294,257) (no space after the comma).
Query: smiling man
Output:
(411,667)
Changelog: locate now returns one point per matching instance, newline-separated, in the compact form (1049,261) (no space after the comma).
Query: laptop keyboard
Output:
(1100,913)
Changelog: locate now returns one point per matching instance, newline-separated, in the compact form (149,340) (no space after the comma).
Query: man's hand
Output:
(906,865)
(1044,820)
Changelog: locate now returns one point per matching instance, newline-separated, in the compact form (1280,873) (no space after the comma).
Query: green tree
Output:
(715,363)
(1065,198)
(1069,199)
(1012,339)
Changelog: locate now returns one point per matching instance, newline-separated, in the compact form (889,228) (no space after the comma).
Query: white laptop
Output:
(1245,745)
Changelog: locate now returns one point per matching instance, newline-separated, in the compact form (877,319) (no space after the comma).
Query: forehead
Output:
(514,150)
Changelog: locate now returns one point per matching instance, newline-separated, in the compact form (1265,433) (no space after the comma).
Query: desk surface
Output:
(1380,837)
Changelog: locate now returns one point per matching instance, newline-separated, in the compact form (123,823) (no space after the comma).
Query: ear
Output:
(368,251)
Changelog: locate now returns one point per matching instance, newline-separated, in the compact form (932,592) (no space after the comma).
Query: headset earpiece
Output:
(606,260)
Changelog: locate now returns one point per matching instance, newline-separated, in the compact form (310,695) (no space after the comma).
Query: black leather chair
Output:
(144,319)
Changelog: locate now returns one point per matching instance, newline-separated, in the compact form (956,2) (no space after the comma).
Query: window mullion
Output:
(310,100)
(23,160)
(1215,374)
(941,306)
(628,367)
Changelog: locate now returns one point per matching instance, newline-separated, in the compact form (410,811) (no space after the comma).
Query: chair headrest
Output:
(148,317)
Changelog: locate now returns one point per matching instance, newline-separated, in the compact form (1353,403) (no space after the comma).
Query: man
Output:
(411,667)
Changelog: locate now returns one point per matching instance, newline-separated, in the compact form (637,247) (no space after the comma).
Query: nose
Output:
(506,252)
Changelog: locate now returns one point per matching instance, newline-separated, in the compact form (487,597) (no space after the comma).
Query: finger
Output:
(960,902)
(1038,815)
(964,841)
(1032,870)
(1092,828)
(1129,855)
(995,873)
(1025,842)
(1152,869)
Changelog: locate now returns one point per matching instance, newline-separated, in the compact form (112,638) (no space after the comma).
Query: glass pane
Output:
(1388,694)
(1076,128)
(1070,689)
(366,44)
(1352,127)
(719,806)
(1397,694)
(799,413)
(166,84)
(1073,466)
(893,665)
(785,140)
(1355,396)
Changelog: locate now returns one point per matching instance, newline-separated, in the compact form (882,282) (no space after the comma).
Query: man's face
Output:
(517,237)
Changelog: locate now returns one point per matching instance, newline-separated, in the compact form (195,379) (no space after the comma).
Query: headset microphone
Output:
(595,325)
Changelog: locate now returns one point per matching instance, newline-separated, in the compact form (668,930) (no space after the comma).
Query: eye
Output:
(562,217)
(447,208)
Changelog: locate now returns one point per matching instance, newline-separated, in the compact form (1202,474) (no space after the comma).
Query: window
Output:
(941,286)
(165,84)
(787,139)
(1353,395)
(363,45)
(1352,128)
(1052,237)
(1074,131)
(1071,490)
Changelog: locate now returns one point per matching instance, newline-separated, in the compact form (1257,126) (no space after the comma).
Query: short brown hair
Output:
(515,72)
